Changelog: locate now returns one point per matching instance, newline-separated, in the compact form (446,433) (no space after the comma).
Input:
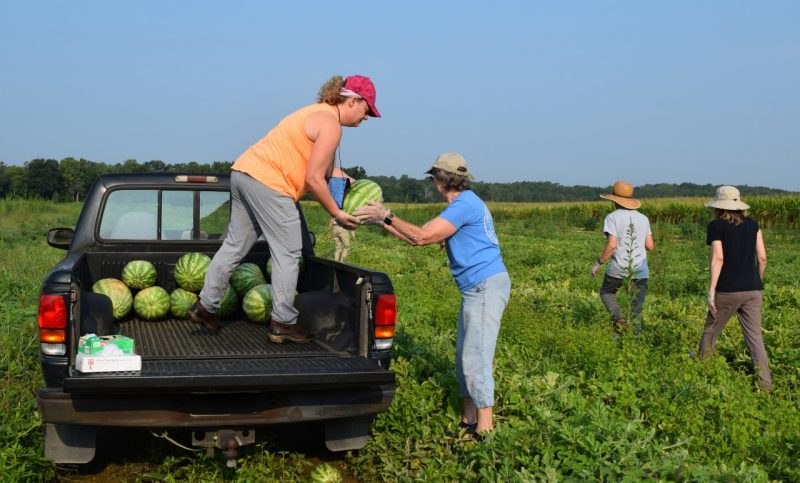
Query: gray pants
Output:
(608,294)
(748,306)
(256,210)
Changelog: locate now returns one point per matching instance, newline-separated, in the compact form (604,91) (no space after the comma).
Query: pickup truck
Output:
(218,387)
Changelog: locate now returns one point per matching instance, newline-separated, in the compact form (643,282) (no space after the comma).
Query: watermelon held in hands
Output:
(228,304)
(118,292)
(190,271)
(257,303)
(151,303)
(245,277)
(361,192)
(180,301)
(139,274)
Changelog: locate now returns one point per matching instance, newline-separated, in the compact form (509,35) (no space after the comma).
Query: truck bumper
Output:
(198,410)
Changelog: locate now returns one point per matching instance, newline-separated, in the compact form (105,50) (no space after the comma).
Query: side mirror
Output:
(60,237)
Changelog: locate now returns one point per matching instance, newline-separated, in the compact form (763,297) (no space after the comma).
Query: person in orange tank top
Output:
(267,181)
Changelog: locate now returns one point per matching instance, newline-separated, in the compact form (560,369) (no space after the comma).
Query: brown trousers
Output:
(747,305)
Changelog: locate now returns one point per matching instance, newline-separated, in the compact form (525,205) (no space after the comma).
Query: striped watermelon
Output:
(257,303)
(190,271)
(118,292)
(229,303)
(139,274)
(151,303)
(360,192)
(245,277)
(180,301)
(300,261)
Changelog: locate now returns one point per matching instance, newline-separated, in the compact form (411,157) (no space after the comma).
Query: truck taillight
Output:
(385,318)
(52,319)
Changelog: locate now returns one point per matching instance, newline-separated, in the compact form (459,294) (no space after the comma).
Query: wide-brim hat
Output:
(452,163)
(728,198)
(623,196)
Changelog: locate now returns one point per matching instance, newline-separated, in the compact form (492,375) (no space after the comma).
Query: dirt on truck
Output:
(222,386)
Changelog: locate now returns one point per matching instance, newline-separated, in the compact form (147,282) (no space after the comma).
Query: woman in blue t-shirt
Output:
(466,229)
(738,261)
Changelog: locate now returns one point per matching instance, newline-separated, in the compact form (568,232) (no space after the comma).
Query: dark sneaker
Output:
(279,332)
(200,316)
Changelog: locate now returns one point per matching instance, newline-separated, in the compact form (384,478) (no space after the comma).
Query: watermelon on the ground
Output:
(139,274)
(245,277)
(190,270)
(118,292)
(151,303)
(361,192)
(229,303)
(257,303)
(180,301)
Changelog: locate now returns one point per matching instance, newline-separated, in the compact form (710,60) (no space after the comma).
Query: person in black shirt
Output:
(738,261)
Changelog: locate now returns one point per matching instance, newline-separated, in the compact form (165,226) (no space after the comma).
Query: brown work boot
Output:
(620,325)
(200,316)
(278,332)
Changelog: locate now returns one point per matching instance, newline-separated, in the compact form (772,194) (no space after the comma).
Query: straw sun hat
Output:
(728,198)
(623,196)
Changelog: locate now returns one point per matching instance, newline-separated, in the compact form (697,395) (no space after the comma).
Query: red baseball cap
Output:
(364,87)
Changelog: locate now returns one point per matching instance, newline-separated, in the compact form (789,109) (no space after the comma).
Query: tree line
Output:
(71,178)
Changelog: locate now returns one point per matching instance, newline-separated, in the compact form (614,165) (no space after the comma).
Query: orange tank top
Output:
(280,159)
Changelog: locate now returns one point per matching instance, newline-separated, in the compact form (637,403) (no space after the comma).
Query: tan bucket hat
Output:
(728,198)
(623,196)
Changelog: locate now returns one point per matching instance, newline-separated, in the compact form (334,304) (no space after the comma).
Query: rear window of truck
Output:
(162,214)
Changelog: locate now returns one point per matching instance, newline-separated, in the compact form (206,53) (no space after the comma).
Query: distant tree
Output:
(221,167)
(5,180)
(356,172)
(18,182)
(72,172)
(44,178)
(155,166)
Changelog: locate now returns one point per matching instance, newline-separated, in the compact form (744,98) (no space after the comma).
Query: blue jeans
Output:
(482,307)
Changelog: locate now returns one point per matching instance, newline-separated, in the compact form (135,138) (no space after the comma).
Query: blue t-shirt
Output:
(473,249)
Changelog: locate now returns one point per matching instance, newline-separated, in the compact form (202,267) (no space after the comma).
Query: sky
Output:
(571,92)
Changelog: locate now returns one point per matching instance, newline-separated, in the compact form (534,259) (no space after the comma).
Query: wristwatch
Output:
(389,218)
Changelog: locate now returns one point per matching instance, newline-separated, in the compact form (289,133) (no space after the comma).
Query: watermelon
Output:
(257,303)
(151,303)
(229,303)
(245,277)
(180,301)
(190,271)
(360,192)
(300,261)
(118,292)
(325,473)
(139,274)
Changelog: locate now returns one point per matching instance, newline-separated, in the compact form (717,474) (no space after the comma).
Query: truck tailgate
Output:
(178,356)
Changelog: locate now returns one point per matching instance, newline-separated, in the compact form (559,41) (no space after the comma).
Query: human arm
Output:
(761,254)
(717,259)
(611,245)
(434,231)
(649,244)
(339,173)
(325,132)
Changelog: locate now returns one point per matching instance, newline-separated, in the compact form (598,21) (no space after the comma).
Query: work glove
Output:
(595,269)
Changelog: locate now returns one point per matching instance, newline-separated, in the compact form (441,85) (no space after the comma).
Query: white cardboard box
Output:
(90,363)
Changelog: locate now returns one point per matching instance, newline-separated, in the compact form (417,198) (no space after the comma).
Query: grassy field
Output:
(572,403)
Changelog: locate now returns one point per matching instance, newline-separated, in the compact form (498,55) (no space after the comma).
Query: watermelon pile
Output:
(151,303)
(139,274)
(245,277)
(361,191)
(181,301)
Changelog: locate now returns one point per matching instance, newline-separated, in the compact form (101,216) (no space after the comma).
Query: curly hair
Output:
(730,216)
(451,181)
(329,92)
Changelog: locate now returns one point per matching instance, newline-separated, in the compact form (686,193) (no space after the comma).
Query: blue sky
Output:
(569,92)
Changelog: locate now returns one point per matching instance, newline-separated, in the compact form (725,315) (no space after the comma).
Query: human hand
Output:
(595,269)
(712,305)
(346,220)
(373,213)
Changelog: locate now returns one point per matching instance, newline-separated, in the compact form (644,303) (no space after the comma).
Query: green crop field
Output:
(572,403)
